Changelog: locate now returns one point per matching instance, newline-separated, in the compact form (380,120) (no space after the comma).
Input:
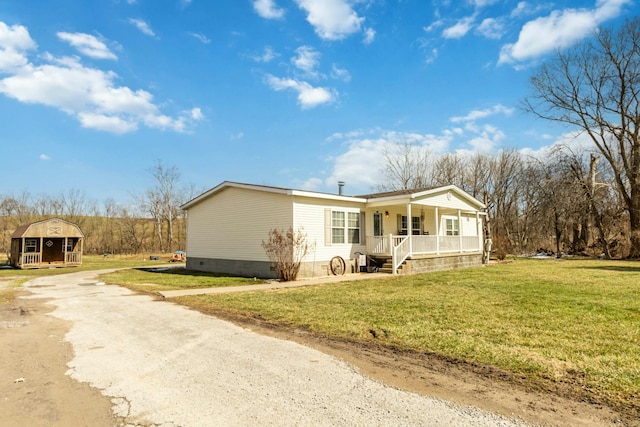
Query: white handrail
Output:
(401,251)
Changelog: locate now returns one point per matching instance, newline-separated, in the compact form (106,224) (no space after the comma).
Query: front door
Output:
(377,224)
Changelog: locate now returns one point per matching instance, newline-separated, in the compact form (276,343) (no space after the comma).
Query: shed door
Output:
(52,250)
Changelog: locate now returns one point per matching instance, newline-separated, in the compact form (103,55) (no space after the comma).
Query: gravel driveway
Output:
(166,365)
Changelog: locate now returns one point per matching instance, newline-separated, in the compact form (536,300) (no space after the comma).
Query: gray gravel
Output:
(166,365)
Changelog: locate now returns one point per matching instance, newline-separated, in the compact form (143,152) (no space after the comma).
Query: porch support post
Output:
(392,246)
(64,251)
(41,246)
(479,230)
(460,230)
(437,232)
(409,228)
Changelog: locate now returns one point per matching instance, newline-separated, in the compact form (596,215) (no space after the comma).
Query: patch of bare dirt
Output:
(34,389)
(432,375)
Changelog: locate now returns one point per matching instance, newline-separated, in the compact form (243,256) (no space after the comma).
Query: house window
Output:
(452,226)
(415,225)
(353,231)
(345,227)
(68,247)
(31,245)
(337,227)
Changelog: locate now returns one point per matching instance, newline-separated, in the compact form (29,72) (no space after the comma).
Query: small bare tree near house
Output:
(286,250)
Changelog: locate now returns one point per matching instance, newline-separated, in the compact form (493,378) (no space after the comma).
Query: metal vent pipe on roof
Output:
(340,187)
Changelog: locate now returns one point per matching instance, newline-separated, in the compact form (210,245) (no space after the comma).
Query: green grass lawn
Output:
(154,280)
(571,324)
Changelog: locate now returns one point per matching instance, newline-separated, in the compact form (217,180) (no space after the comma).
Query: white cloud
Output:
(204,39)
(236,136)
(312,184)
(45,157)
(88,94)
(87,45)
(491,28)
(267,56)
(268,9)
(308,96)
(480,114)
(361,164)
(487,140)
(432,56)
(558,30)
(340,74)
(142,26)
(483,3)
(15,42)
(306,59)
(331,19)
(436,24)
(369,36)
(196,114)
(460,29)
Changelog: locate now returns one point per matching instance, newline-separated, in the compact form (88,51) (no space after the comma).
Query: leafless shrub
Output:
(286,250)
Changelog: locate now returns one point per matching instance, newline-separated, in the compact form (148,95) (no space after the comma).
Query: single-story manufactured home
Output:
(49,243)
(404,232)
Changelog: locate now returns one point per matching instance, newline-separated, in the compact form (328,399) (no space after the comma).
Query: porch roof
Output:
(419,196)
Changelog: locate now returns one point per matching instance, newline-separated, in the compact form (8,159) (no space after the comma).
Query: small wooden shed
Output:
(52,242)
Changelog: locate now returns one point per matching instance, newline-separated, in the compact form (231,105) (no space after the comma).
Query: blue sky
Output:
(291,93)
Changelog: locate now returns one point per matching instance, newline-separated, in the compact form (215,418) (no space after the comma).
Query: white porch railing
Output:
(402,247)
(401,251)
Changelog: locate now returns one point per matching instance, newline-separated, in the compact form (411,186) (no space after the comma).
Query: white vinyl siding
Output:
(314,216)
(233,223)
(450,200)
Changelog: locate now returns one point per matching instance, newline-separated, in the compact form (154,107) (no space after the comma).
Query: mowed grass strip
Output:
(570,325)
(171,278)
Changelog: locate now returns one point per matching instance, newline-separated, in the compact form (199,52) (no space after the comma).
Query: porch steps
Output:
(387,267)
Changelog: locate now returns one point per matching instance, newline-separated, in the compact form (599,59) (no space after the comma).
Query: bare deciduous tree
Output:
(595,87)
(407,166)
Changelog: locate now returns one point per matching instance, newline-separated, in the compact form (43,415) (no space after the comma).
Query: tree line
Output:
(151,222)
(576,198)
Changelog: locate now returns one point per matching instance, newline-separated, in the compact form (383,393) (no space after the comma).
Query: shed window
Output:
(31,245)
(452,226)
(68,247)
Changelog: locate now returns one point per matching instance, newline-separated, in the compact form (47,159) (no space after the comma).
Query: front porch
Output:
(401,248)
(34,260)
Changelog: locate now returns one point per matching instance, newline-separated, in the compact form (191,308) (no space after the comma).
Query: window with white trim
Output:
(452,226)
(345,227)
(416,225)
(337,227)
(353,227)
